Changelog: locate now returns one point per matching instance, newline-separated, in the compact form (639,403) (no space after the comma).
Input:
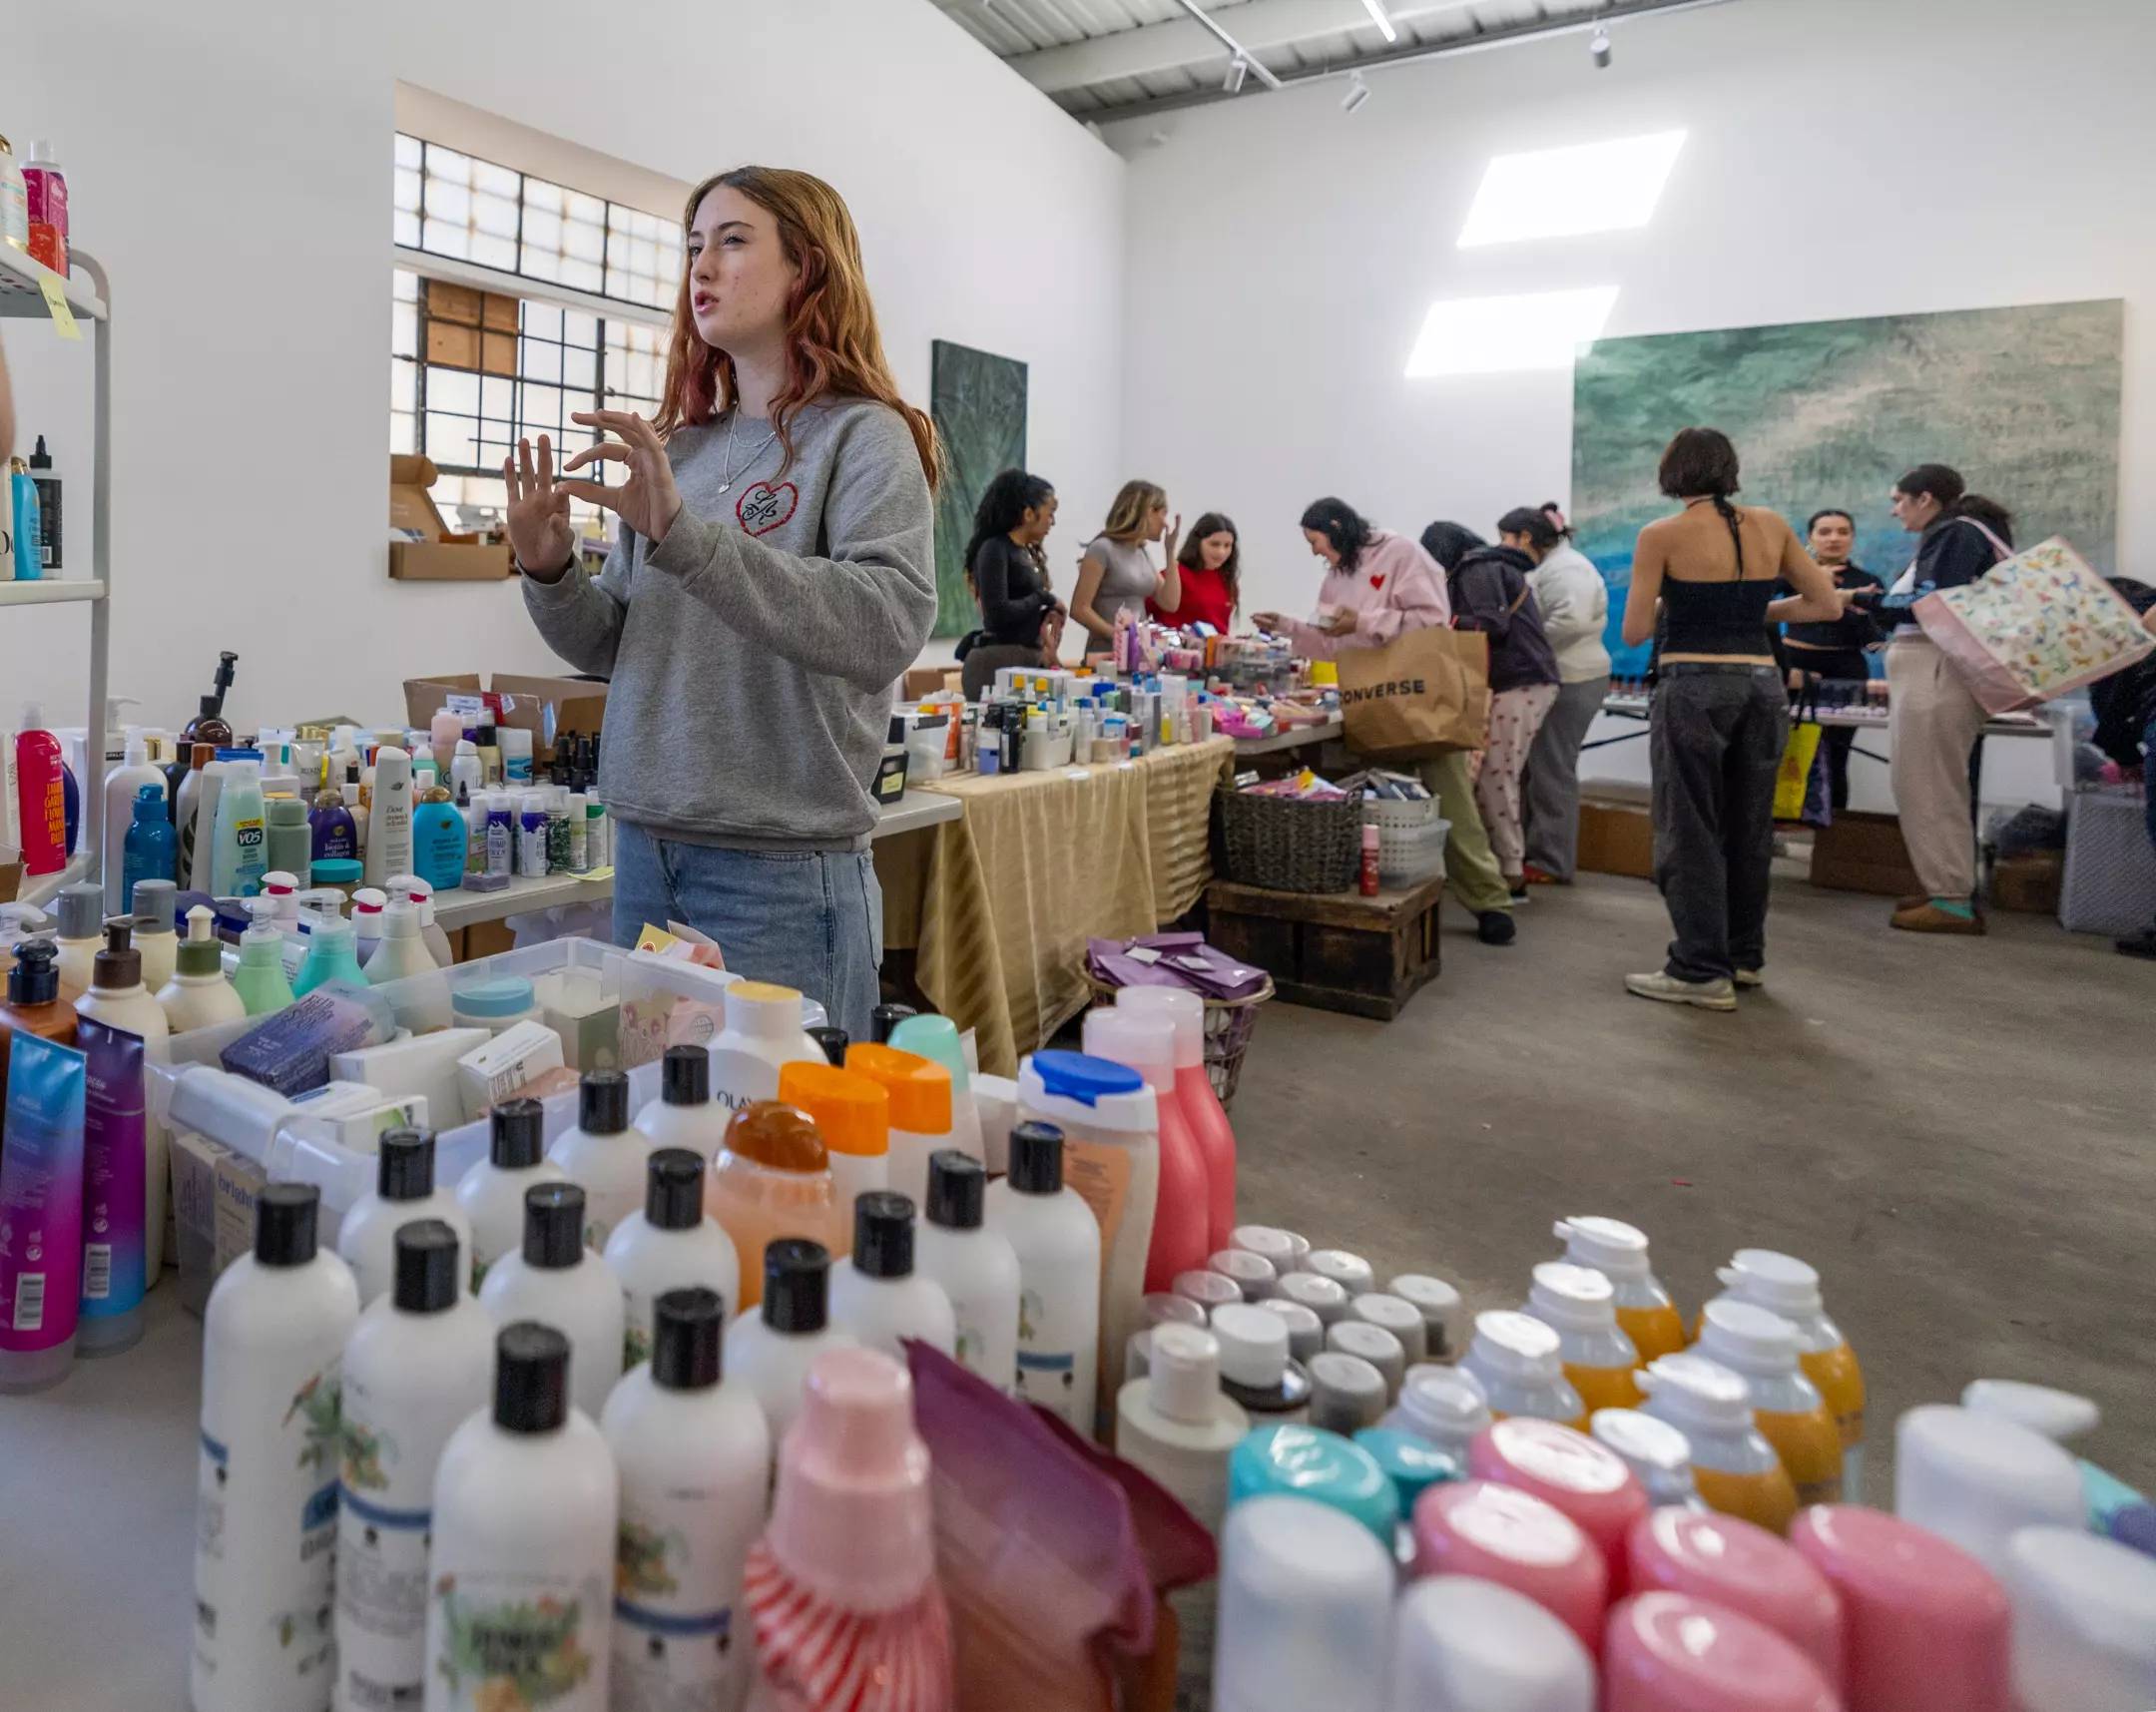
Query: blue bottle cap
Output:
(1309,1462)
(1075,1077)
(1412,1464)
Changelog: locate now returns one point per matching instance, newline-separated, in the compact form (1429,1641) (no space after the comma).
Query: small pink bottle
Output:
(842,1586)
(1201,1109)
(1744,1568)
(1666,1652)
(1502,1534)
(1569,1472)
(1924,1625)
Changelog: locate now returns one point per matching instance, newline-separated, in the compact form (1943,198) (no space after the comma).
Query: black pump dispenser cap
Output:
(35,978)
(518,1141)
(405,1168)
(427,1273)
(834,1041)
(685,1076)
(884,1233)
(553,1225)
(285,1222)
(687,1326)
(531,1378)
(797,1286)
(603,1103)
(957,1190)
(886,1017)
(673,1189)
(1036,1158)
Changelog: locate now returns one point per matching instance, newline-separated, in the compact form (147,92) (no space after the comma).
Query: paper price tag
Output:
(56,304)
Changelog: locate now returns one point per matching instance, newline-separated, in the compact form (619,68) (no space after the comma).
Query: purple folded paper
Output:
(1184,961)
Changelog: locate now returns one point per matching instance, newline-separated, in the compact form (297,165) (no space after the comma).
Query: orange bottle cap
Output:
(921,1092)
(852,1110)
(770,1132)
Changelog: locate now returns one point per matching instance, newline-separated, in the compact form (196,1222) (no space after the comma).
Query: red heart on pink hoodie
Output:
(1376,582)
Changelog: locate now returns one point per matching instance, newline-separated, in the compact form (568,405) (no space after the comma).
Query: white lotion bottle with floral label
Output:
(415,1369)
(555,1280)
(1058,1244)
(520,1577)
(273,1335)
(491,1193)
(672,1245)
(695,1459)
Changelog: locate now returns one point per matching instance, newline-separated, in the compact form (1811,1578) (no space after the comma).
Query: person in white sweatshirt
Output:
(1575,612)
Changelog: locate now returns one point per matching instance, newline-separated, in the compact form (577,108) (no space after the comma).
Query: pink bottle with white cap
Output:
(1145,1042)
(842,1586)
(1571,1473)
(1201,1109)
(1924,1625)
(1502,1534)
(1743,1568)
(1666,1652)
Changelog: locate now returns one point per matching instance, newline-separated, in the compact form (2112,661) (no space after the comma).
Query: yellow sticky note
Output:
(63,317)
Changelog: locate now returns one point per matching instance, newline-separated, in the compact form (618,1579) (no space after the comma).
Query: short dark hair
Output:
(1343,525)
(1448,543)
(1812,522)
(1944,483)
(1190,558)
(1698,461)
(1533,523)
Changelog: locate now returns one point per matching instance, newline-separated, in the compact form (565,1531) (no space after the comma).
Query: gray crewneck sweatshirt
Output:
(752,651)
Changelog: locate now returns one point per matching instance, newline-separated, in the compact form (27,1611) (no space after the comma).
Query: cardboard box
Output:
(545,707)
(1863,852)
(1616,837)
(2029,883)
(195,1223)
(442,556)
(930,680)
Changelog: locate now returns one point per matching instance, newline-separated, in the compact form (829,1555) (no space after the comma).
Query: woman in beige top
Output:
(1116,572)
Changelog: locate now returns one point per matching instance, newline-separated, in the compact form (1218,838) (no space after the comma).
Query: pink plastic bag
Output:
(2034,625)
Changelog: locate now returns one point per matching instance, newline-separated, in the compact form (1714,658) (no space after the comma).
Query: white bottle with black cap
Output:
(769,1351)
(876,1295)
(604,1153)
(520,1575)
(1177,1427)
(403,1191)
(273,1335)
(1254,1366)
(695,1458)
(670,1245)
(683,1115)
(976,1265)
(414,1369)
(555,1280)
(491,1193)
(1057,1241)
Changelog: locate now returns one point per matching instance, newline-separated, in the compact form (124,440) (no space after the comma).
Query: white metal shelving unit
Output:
(22,298)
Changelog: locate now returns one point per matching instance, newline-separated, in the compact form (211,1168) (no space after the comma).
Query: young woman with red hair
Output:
(772,576)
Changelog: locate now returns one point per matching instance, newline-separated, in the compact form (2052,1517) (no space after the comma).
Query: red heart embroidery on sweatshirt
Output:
(761,508)
(1376,582)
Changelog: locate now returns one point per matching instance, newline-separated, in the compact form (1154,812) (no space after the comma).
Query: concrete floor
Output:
(1957,1133)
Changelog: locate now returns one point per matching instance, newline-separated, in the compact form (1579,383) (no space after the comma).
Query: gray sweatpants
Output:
(1553,778)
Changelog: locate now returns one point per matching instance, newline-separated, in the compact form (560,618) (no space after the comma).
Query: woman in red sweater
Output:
(1212,588)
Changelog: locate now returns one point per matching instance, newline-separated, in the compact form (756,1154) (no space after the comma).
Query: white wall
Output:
(1846,158)
(230,163)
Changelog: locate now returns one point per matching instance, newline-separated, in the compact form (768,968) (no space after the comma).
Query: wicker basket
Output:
(1229,1024)
(1290,846)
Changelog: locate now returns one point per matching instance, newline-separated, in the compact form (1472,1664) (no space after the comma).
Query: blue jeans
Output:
(811,919)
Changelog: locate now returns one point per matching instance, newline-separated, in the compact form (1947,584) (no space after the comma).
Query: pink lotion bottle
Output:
(1742,1567)
(1201,1109)
(1667,1652)
(1502,1534)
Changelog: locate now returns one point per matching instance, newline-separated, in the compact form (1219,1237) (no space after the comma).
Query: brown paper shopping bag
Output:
(1423,694)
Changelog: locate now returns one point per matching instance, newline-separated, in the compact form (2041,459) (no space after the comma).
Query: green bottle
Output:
(333,955)
(260,979)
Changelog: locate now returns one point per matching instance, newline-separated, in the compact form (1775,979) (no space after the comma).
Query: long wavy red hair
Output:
(832,342)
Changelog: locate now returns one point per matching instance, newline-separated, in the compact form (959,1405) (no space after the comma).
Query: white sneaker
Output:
(1751,980)
(1707,995)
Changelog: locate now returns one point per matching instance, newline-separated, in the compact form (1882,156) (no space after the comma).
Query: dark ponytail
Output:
(1343,525)
(1945,484)
(1536,525)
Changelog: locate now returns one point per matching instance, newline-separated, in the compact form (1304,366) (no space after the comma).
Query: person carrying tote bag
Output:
(1379,587)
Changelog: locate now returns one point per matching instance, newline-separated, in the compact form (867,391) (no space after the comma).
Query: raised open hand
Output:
(648,501)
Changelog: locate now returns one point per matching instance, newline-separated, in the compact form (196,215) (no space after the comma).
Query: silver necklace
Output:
(734,423)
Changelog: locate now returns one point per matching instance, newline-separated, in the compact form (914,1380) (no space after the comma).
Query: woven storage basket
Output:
(1290,846)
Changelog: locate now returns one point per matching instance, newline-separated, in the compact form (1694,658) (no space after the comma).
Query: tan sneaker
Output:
(1749,981)
(1668,989)
(1928,918)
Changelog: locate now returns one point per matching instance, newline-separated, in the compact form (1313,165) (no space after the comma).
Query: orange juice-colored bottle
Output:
(1618,1251)
(1786,1286)
(772,1179)
(1579,1303)
(1760,1347)
(1736,1470)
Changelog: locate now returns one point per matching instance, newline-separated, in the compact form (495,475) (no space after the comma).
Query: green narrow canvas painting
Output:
(978,400)
(2024,401)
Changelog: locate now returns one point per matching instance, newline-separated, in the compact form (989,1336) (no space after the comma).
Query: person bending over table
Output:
(1115,572)
(1823,653)
(773,577)
(1379,586)
(1021,619)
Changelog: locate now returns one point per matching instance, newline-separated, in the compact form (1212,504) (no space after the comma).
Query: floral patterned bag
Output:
(2034,625)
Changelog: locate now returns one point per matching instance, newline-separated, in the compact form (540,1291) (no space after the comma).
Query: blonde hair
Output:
(831,339)
(1126,517)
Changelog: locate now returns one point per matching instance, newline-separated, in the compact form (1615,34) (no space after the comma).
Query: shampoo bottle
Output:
(414,1369)
(520,1573)
(148,849)
(155,932)
(603,1154)
(80,934)
(491,1193)
(40,794)
(555,1280)
(199,996)
(273,1335)
(1203,1112)
(877,1297)
(762,1031)
(683,1115)
(403,1192)
(440,840)
(41,1177)
(769,1352)
(1057,1241)
(124,785)
(693,1457)
(977,1266)
(390,820)
(240,857)
(672,1243)
(292,838)
(117,998)
(330,833)
(260,982)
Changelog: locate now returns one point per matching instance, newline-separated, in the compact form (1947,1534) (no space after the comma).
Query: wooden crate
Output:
(1863,852)
(1336,952)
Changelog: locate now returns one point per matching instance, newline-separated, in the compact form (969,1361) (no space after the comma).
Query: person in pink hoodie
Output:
(1378,587)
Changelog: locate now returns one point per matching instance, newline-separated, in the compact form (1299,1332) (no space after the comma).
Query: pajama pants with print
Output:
(1516,717)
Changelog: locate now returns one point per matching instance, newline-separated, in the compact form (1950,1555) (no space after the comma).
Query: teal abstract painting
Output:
(2025,403)
(979,401)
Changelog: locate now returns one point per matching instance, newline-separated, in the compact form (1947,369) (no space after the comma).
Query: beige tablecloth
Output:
(1000,903)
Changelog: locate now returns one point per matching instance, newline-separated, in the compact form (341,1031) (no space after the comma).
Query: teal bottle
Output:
(333,955)
(442,838)
(151,847)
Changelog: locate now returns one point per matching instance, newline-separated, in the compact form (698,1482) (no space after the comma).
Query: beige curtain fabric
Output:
(1000,903)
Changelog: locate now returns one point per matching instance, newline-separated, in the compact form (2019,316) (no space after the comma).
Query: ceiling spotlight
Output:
(1599,48)
(1357,94)
(1238,69)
